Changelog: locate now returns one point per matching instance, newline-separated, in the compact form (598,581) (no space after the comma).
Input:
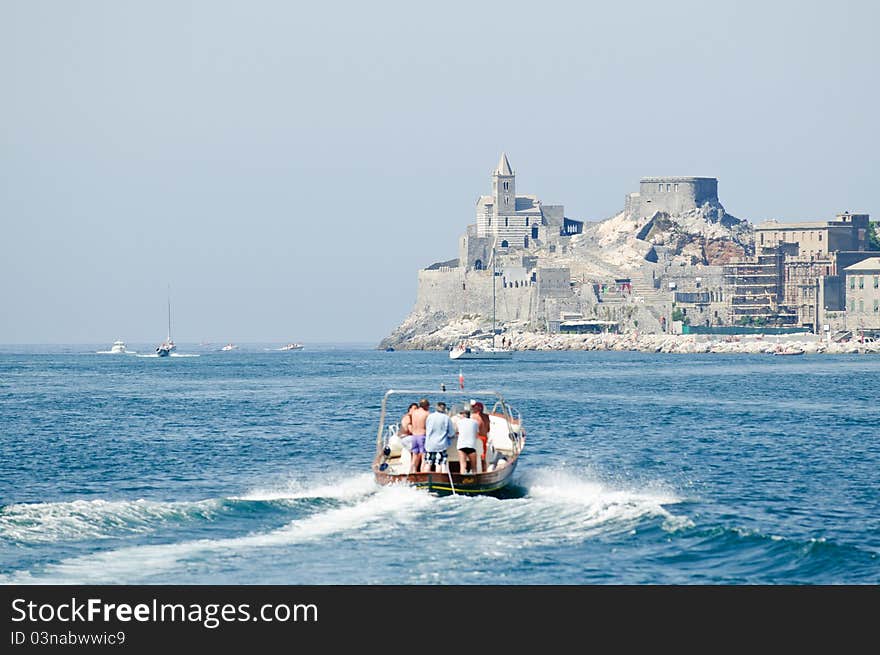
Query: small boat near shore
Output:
(477,350)
(506,440)
(790,351)
(467,350)
(292,346)
(228,347)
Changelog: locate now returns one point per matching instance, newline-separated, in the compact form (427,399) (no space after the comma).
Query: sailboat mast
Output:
(169,313)
(493,296)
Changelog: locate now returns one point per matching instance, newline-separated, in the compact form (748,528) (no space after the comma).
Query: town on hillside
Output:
(671,261)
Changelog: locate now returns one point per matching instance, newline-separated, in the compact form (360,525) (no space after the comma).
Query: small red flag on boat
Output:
(460,379)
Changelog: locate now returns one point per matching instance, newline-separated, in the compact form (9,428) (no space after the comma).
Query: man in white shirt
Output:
(438,432)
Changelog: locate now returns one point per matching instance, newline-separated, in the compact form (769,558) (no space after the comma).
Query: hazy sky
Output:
(288,167)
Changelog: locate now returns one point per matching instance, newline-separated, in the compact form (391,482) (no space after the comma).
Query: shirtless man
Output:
(405,431)
(479,414)
(406,421)
(419,418)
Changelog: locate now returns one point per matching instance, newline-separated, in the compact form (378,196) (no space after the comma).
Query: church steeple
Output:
(503,188)
(503,166)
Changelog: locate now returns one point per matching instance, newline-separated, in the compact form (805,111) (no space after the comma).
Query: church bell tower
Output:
(503,190)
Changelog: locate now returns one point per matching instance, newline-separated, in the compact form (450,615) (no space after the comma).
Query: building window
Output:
(820,236)
(861,306)
(505,221)
(504,244)
(668,187)
(659,187)
(506,200)
(525,242)
(676,188)
(527,221)
(876,306)
(876,281)
(762,238)
(505,186)
(861,281)
(852,305)
(852,282)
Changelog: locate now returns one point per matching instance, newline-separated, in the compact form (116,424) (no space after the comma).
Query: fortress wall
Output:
(458,293)
(675,195)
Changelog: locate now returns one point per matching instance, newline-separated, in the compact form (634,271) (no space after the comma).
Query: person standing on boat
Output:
(467,442)
(439,430)
(417,445)
(482,418)
(405,430)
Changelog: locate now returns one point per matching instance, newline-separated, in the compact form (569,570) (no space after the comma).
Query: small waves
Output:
(380,508)
(346,488)
(748,556)
(76,520)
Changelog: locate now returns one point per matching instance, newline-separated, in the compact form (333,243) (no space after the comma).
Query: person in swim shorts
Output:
(417,445)
(439,431)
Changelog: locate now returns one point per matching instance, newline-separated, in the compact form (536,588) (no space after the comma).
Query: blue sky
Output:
(288,167)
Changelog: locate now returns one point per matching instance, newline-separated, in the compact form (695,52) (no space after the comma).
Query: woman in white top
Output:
(467,442)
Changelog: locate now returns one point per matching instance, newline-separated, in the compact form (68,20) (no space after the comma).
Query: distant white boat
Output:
(478,351)
(118,348)
(229,346)
(167,347)
(292,346)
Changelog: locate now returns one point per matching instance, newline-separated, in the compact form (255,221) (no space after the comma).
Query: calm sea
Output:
(254,467)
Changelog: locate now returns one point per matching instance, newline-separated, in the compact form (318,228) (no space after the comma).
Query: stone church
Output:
(510,222)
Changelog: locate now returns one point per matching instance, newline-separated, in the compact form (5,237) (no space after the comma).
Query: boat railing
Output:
(515,435)
(512,417)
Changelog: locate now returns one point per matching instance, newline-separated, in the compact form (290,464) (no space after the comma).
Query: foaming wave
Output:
(126,565)
(572,506)
(93,519)
(347,488)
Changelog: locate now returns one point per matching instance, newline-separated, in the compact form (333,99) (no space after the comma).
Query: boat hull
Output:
(471,484)
(480,354)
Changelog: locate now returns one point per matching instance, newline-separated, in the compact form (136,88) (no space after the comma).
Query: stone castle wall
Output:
(673,195)
(457,292)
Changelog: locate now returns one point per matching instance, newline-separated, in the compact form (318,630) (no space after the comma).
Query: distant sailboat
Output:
(167,347)
(467,350)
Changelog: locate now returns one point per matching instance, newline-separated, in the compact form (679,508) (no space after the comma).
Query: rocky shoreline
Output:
(659,343)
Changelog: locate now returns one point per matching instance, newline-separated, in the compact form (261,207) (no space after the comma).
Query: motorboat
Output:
(495,467)
(292,346)
(790,351)
(228,347)
(118,348)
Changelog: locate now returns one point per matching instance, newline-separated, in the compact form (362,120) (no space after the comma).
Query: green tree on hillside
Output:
(874,235)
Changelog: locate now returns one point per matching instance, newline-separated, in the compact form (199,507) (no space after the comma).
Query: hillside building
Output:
(862,284)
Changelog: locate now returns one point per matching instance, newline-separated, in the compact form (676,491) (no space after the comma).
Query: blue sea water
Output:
(253,467)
